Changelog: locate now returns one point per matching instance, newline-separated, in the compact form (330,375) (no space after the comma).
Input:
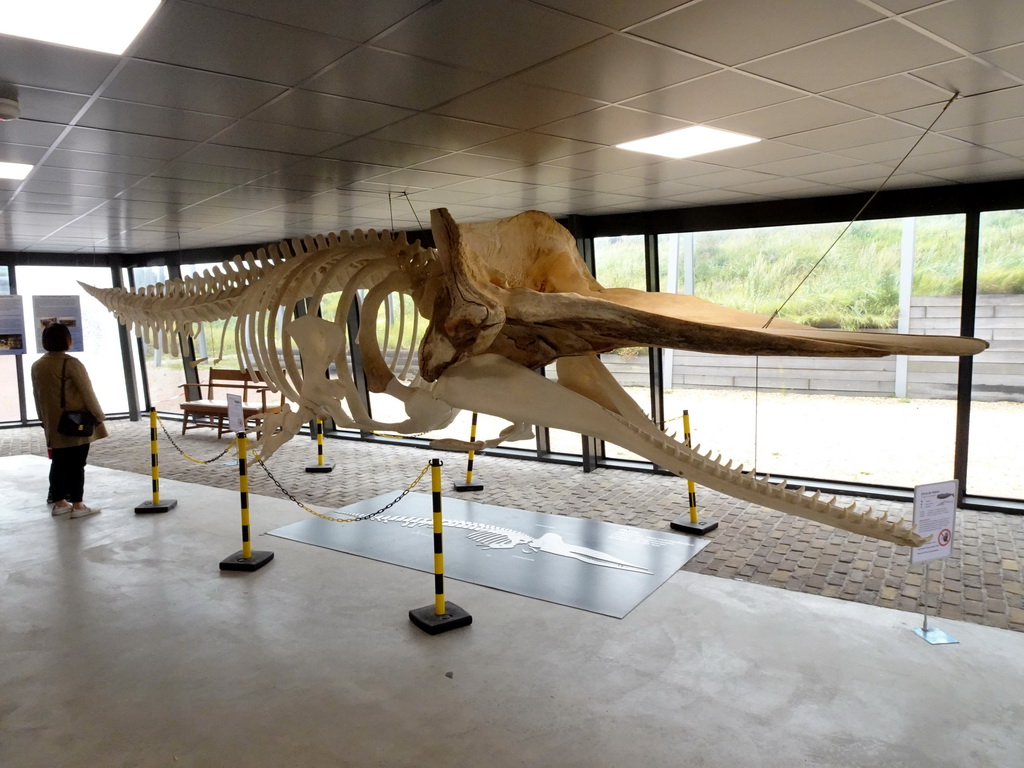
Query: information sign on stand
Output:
(236,420)
(935,517)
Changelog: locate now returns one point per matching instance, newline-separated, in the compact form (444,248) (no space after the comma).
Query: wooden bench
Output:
(212,411)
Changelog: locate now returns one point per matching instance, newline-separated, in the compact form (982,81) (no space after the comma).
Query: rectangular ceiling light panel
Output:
(107,26)
(14,170)
(687,142)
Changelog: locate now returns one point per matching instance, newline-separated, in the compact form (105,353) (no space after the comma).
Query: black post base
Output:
(426,619)
(320,467)
(148,507)
(698,529)
(236,562)
(468,486)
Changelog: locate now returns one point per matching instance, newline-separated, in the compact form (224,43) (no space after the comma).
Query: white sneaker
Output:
(83,511)
(60,508)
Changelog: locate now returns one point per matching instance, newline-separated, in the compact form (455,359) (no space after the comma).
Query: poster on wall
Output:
(12,325)
(66,310)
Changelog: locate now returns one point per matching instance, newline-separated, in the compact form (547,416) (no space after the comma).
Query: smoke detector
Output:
(9,108)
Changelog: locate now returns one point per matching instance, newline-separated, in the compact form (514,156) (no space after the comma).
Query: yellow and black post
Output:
(691,524)
(469,485)
(155,505)
(320,466)
(245,559)
(442,615)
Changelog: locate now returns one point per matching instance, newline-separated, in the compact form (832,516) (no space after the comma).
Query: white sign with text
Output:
(236,419)
(935,516)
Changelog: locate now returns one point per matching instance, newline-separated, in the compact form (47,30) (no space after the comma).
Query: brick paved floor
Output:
(981,582)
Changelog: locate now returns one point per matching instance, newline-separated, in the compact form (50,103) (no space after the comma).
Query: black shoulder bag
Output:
(73,423)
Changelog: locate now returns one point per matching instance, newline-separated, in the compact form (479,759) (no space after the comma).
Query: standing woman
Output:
(53,372)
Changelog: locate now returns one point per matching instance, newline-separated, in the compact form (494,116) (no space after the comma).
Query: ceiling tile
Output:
(219,174)
(754,154)
(789,117)
(890,94)
(613,13)
(515,104)
(965,76)
(338,171)
(49,106)
(397,180)
(167,86)
(542,174)
(499,36)
(901,6)
(733,31)
(975,25)
(727,178)
(278,138)
(1010,59)
(154,121)
(29,132)
(608,160)
(398,79)
(866,53)
(715,96)
(214,40)
(595,70)
(319,111)
(21,153)
(93,161)
(380,152)
(468,164)
(119,143)
(800,166)
(990,133)
(994,170)
(489,186)
(86,177)
(606,182)
(351,19)
(53,67)
(531,147)
(890,152)
(238,157)
(612,125)
(779,187)
(441,132)
(870,131)
(935,161)
(972,110)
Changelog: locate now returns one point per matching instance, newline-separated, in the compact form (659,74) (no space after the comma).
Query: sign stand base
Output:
(935,636)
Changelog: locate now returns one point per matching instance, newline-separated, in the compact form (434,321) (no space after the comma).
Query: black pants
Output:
(67,473)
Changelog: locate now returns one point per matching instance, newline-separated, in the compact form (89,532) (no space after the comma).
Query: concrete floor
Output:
(122,644)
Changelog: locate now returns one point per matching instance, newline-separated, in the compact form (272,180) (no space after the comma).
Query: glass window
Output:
(887,421)
(163,372)
(997,410)
(102,346)
(621,262)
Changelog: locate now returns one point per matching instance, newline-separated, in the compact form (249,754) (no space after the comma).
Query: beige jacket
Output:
(78,395)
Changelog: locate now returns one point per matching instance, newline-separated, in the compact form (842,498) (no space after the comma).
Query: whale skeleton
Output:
(499,301)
